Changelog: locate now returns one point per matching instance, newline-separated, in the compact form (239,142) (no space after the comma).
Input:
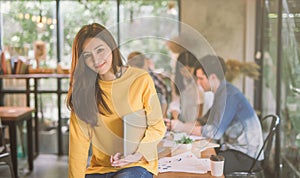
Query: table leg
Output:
(13,146)
(29,144)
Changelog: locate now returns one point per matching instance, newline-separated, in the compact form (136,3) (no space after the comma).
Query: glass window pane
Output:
(270,57)
(26,24)
(75,14)
(145,26)
(290,100)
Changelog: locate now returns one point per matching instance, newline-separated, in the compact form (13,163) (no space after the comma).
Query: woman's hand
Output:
(117,160)
(174,125)
(178,126)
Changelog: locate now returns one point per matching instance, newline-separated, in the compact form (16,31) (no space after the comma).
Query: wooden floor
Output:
(45,166)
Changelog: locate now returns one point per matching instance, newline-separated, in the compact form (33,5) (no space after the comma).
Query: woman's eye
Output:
(85,56)
(99,50)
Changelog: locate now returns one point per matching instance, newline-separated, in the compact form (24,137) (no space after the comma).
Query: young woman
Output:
(102,90)
(187,98)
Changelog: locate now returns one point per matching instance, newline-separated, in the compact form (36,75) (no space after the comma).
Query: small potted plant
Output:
(184,143)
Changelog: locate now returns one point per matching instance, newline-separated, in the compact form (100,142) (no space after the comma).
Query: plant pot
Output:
(181,148)
(186,147)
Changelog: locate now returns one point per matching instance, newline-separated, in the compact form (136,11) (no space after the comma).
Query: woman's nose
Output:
(94,58)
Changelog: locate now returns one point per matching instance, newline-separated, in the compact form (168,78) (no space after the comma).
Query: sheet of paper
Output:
(179,135)
(202,145)
(195,137)
(185,162)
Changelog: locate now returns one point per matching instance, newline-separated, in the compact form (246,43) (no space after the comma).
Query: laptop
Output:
(134,127)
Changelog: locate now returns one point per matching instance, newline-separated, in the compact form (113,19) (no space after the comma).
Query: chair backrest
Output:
(267,145)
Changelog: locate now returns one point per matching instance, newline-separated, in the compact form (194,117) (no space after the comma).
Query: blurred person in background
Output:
(232,121)
(187,95)
(139,60)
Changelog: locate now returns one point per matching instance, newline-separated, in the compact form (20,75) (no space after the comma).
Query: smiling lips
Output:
(100,65)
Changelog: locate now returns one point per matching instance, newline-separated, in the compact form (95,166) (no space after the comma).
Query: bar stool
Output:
(4,154)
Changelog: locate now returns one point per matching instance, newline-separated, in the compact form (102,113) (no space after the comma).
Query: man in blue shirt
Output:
(232,121)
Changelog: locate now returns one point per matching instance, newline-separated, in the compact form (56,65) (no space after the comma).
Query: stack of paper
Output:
(185,162)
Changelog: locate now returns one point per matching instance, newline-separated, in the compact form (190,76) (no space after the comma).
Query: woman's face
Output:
(187,72)
(97,56)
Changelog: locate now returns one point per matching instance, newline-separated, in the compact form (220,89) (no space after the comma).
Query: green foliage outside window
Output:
(20,31)
(23,17)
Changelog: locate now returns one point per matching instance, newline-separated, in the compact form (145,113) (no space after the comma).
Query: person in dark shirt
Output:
(139,60)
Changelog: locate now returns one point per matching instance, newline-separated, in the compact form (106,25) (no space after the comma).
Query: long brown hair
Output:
(85,94)
(185,58)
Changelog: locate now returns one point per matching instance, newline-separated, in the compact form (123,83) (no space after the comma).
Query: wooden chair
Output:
(4,154)
(266,148)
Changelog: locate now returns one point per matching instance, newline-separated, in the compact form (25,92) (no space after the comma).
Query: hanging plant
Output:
(236,68)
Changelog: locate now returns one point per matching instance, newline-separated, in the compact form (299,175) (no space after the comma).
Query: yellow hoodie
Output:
(133,91)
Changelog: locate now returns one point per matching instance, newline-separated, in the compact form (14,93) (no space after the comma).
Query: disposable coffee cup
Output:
(217,165)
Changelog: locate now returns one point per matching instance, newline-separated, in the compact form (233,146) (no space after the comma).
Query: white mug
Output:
(217,165)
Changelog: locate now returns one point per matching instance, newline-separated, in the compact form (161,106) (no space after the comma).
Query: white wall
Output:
(228,26)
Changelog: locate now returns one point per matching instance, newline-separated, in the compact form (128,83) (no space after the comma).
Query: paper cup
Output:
(217,165)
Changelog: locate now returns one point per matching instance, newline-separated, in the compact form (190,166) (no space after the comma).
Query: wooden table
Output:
(12,116)
(35,89)
(204,154)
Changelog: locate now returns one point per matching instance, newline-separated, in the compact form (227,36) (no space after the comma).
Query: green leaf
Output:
(184,140)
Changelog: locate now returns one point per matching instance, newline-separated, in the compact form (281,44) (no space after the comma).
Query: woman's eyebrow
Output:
(94,48)
(85,52)
(98,46)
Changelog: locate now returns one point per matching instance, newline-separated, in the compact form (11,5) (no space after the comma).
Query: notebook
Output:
(134,127)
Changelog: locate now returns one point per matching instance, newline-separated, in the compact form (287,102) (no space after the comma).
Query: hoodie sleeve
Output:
(78,148)
(156,128)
